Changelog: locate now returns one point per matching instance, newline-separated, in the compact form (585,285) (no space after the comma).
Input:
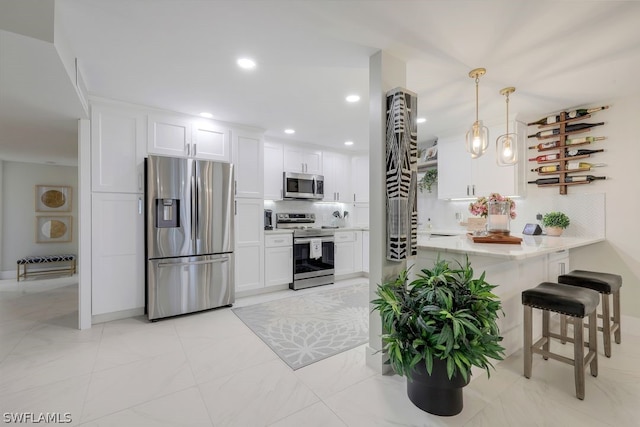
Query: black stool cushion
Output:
(565,299)
(604,283)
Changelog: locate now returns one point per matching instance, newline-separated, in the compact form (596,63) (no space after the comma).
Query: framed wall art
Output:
(53,229)
(53,198)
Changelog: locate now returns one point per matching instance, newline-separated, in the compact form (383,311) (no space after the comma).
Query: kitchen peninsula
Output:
(512,267)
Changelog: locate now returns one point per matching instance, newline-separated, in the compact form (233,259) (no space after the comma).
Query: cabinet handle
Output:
(195,150)
(474,189)
(278,240)
(467,190)
(188,147)
(338,196)
(139,205)
(354,197)
(302,166)
(140,181)
(562,268)
(235,207)
(235,187)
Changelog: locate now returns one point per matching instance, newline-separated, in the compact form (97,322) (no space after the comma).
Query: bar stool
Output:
(606,284)
(570,301)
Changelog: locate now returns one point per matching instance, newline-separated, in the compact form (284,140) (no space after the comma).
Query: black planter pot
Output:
(436,393)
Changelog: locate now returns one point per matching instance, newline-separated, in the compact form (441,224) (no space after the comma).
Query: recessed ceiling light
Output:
(348,143)
(289,131)
(246,63)
(352,98)
(421,120)
(206,115)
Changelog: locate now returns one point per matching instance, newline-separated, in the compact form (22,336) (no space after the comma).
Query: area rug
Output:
(307,328)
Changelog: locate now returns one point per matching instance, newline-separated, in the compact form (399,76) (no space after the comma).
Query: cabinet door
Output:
(273,169)
(249,249)
(357,252)
(337,177)
(454,168)
(249,163)
(278,265)
(312,161)
(344,260)
(210,142)
(117,149)
(360,179)
(170,136)
(558,263)
(117,252)
(302,160)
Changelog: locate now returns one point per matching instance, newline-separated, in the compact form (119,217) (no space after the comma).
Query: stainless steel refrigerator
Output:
(189,235)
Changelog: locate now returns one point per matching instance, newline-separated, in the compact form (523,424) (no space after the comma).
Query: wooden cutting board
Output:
(495,238)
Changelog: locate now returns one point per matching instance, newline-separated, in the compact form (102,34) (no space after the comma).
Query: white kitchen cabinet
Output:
(117,149)
(460,176)
(365,251)
(278,259)
(348,252)
(248,164)
(179,136)
(360,179)
(337,177)
(210,141)
(298,159)
(558,263)
(249,252)
(273,170)
(117,246)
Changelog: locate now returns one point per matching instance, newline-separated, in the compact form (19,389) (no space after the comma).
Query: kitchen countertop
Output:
(531,246)
(290,230)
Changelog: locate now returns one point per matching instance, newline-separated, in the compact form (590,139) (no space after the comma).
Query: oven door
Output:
(306,267)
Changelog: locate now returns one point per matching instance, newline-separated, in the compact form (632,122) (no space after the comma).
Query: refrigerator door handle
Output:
(194,206)
(178,264)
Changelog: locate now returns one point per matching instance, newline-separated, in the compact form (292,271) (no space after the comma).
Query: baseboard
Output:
(117,315)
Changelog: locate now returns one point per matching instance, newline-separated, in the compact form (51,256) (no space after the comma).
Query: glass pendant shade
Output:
(507,144)
(507,149)
(477,139)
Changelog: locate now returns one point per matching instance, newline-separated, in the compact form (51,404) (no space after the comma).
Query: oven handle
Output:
(323,239)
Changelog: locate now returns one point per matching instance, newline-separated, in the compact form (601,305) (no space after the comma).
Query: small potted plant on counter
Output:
(436,328)
(555,223)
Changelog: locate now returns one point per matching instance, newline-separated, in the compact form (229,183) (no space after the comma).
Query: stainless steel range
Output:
(313,250)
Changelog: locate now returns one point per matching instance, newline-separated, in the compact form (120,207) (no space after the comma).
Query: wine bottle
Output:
(545,145)
(545,157)
(569,115)
(584,165)
(581,152)
(579,178)
(569,141)
(552,168)
(568,128)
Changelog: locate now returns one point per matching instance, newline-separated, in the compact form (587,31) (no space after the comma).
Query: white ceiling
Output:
(180,56)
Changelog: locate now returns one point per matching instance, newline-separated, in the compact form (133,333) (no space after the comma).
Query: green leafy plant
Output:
(555,219)
(430,177)
(444,314)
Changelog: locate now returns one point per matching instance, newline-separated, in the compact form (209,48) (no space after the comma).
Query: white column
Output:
(385,73)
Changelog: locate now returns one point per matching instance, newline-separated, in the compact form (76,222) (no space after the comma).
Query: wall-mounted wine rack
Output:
(563,158)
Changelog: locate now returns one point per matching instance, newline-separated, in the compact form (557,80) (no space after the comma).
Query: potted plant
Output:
(436,328)
(429,178)
(555,223)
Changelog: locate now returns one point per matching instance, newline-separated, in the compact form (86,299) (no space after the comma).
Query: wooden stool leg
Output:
(606,325)
(545,332)
(528,340)
(578,356)
(616,315)
(563,328)
(593,343)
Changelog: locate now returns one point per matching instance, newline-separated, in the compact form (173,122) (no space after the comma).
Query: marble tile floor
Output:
(209,369)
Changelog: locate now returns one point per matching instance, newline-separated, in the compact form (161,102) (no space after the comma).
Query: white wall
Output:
(19,215)
(620,253)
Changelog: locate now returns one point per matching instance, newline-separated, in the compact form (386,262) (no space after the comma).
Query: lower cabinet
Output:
(348,252)
(278,259)
(558,263)
(249,252)
(117,251)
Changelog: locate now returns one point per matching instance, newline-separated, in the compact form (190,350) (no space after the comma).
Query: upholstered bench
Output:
(68,260)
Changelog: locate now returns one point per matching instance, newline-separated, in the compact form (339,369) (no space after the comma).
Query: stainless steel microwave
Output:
(303,186)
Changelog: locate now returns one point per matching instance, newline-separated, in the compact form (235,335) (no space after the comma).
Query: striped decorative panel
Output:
(401,174)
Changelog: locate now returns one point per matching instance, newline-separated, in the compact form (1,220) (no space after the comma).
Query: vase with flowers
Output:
(498,210)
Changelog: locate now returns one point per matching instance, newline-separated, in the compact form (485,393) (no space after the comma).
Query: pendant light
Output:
(477,139)
(507,144)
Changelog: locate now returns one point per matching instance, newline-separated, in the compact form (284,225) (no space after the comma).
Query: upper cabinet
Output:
(460,176)
(248,163)
(360,178)
(184,137)
(337,179)
(273,169)
(304,160)
(117,149)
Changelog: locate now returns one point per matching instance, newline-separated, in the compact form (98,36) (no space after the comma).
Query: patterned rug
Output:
(307,328)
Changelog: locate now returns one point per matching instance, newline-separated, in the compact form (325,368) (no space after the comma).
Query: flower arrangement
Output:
(480,206)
